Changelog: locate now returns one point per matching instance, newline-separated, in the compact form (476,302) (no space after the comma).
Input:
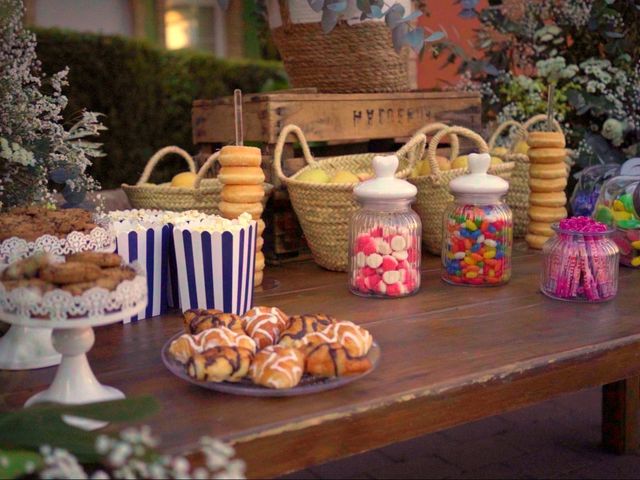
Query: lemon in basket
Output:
(315,175)
(460,162)
(521,147)
(184,180)
(343,176)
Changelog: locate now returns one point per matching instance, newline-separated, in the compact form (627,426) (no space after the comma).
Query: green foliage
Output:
(145,92)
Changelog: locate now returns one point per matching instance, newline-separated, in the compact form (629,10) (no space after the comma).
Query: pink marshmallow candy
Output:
(389,263)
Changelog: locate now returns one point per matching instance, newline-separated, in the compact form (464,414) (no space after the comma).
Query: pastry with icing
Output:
(277,366)
(302,325)
(187,345)
(220,364)
(333,360)
(355,339)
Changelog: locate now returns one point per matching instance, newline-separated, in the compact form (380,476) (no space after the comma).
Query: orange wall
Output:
(444,14)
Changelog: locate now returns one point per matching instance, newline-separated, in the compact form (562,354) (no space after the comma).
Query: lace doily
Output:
(100,239)
(59,305)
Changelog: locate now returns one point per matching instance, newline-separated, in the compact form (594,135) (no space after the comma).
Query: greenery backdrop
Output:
(145,93)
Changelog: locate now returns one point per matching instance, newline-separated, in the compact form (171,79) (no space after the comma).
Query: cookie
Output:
(240,156)
(101,259)
(548,199)
(79,288)
(119,273)
(547,155)
(242,193)
(547,214)
(34,283)
(548,170)
(546,185)
(70,272)
(234,210)
(540,228)
(241,176)
(535,241)
(26,268)
(546,140)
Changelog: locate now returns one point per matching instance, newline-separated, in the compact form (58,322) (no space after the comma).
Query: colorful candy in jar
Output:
(477,228)
(580,262)
(478,246)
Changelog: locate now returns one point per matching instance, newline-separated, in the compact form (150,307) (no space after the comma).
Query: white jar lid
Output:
(385,186)
(479,181)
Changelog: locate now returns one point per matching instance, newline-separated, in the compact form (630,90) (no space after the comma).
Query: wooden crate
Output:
(348,123)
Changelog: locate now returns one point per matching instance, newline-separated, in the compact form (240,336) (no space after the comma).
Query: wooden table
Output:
(449,355)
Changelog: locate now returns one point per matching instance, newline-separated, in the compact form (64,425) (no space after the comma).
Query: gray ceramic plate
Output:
(246,387)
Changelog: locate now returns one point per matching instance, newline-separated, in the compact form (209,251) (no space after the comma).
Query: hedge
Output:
(145,93)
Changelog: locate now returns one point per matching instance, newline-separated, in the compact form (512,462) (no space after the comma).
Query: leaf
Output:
(468,13)
(338,7)
(224,4)
(316,5)
(397,36)
(394,15)
(376,12)
(39,425)
(18,463)
(575,98)
(411,16)
(62,174)
(602,148)
(436,37)
(329,20)
(468,4)
(72,196)
(491,70)
(614,34)
(415,39)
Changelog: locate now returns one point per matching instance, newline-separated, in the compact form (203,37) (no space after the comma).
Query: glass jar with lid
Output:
(477,228)
(384,235)
(619,207)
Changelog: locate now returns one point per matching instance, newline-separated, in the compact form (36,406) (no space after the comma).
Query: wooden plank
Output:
(335,117)
(620,403)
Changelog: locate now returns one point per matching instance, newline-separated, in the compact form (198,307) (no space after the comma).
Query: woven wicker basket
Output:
(356,58)
(324,209)
(433,190)
(204,196)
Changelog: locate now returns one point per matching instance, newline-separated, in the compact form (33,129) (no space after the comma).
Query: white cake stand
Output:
(75,382)
(25,348)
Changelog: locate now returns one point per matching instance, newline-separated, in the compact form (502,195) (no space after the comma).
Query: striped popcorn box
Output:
(150,247)
(215,266)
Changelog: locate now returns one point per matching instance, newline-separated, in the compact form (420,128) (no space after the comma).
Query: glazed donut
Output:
(241,176)
(548,199)
(259,261)
(547,185)
(242,193)
(546,140)
(547,155)
(257,278)
(548,170)
(261,226)
(547,214)
(535,241)
(234,210)
(240,156)
(540,229)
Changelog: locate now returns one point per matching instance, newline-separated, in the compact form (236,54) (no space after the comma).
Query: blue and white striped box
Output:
(150,247)
(215,268)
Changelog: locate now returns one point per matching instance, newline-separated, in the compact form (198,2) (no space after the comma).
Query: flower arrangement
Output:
(36,442)
(39,154)
(590,51)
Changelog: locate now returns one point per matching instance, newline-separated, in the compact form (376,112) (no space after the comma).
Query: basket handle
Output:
(434,127)
(414,150)
(277,154)
(539,118)
(522,131)
(205,167)
(153,161)
(464,132)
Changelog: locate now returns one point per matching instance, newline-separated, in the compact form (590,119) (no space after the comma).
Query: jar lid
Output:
(385,186)
(479,181)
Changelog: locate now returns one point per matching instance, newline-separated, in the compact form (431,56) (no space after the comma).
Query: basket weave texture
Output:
(204,196)
(324,209)
(433,190)
(356,58)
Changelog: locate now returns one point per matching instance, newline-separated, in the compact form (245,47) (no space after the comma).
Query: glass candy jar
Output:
(384,236)
(477,228)
(619,207)
(580,263)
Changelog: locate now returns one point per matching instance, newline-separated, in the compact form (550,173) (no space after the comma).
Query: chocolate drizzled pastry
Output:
(302,325)
(219,364)
(333,360)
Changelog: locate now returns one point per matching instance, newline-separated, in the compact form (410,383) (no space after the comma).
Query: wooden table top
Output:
(449,355)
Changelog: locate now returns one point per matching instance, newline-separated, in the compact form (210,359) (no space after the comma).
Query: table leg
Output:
(620,404)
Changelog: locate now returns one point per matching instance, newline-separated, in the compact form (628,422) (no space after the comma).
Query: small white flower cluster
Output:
(555,68)
(13,152)
(59,463)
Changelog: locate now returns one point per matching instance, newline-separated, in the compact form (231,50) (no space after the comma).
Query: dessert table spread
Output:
(449,355)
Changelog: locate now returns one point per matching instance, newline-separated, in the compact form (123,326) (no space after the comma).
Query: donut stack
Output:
(548,174)
(242,191)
